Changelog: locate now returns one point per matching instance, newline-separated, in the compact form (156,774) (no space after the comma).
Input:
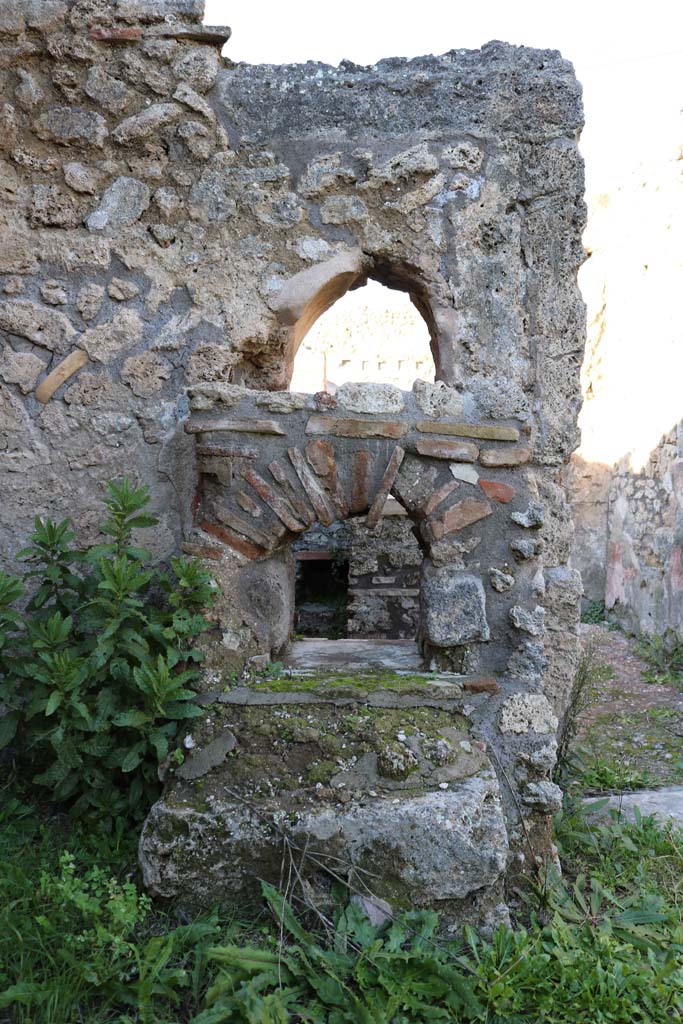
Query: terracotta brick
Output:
(210,425)
(280,506)
(320,455)
(314,492)
(385,485)
(504,456)
(240,525)
(347,427)
(483,431)
(115,35)
(454,451)
(438,496)
(227,451)
(294,496)
(230,539)
(498,491)
(360,481)
(201,550)
(481,684)
(247,504)
(458,516)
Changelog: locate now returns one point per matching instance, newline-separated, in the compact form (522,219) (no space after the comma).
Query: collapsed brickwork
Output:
(173,224)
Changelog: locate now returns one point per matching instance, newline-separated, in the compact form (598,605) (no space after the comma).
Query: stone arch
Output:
(306,296)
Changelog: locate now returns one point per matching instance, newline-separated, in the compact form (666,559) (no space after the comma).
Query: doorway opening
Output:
(321,595)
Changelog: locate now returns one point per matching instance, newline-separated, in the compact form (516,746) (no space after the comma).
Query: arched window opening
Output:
(372,334)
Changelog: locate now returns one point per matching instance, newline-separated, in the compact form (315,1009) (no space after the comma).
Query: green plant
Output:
(664,656)
(78,940)
(98,678)
(583,694)
(594,613)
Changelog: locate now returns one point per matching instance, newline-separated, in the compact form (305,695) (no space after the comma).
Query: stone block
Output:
(437,399)
(45,327)
(457,451)
(527,712)
(493,457)
(467,474)
(338,427)
(453,606)
(482,431)
(371,398)
(122,204)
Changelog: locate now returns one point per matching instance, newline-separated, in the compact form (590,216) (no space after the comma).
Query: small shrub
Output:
(594,613)
(96,679)
(664,657)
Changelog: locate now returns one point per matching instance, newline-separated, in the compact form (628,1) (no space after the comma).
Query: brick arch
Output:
(272,464)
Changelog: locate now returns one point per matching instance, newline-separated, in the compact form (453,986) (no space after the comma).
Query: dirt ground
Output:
(630,735)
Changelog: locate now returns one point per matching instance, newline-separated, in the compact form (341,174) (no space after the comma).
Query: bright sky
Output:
(629,57)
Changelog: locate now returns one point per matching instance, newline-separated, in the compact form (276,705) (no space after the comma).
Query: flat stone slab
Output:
(665,803)
(354,655)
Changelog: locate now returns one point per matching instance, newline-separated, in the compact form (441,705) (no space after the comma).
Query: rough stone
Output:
(524,548)
(52,208)
(107,341)
(89,301)
(198,67)
(21,368)
(121,290)
(531,622)
(437,399)
(370,398)
(501,581)
(143,125)
(54,293)
(453,606)
(343,210)
(45,327)
(81,178)
(527,712)
(122,204)
(28,93)
(111,93)
(72,126)
(532,518)
(146,374)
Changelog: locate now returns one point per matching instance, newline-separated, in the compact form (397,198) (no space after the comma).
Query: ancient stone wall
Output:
(173,225)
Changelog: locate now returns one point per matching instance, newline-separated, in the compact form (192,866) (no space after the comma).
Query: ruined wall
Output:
(172,221)
(625,479)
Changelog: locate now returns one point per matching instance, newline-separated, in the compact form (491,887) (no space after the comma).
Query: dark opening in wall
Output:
(321,595)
